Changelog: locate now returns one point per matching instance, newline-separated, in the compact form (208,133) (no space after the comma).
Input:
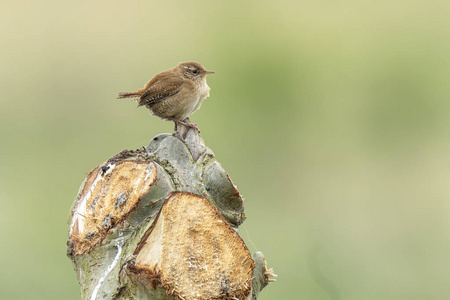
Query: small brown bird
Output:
(174,94)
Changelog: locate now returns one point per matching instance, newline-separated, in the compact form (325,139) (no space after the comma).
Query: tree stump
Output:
(161,222)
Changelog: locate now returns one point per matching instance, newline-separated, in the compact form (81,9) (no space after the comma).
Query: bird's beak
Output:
(208,72)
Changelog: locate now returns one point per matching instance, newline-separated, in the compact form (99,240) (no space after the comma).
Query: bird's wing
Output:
(159,88)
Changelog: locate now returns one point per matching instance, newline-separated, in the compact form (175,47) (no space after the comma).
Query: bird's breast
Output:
(203,91)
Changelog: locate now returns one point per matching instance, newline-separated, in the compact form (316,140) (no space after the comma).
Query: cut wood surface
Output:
(211,259)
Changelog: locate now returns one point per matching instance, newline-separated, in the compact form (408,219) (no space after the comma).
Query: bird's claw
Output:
(188,125)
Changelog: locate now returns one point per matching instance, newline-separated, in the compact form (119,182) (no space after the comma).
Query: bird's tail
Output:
(122,95)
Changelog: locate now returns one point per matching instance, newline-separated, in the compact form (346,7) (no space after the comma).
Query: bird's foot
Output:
(188,125)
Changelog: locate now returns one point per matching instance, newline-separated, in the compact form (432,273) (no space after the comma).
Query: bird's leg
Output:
(190,125)
(185,128)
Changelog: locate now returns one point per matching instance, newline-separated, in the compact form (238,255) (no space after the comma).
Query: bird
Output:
(174,94)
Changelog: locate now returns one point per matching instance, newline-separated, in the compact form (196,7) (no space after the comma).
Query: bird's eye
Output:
(194,71)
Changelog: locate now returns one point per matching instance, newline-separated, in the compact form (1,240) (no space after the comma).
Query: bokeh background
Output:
(332,117)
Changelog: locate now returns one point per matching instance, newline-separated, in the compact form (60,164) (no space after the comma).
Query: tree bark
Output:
(161,222)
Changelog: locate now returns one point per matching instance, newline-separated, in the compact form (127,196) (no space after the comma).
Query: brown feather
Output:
(160,87)
(123,95)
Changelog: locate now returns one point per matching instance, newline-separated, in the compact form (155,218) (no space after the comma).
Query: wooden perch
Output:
(161,222)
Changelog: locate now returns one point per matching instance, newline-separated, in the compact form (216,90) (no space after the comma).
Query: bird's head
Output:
(193,70)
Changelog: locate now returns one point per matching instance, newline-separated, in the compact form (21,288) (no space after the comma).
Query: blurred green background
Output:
(332,117)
